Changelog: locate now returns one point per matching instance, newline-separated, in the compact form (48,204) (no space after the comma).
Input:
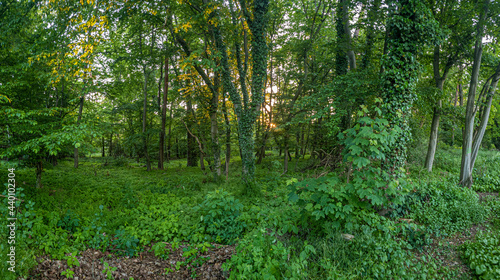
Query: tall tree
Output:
(409,28)
(454,17)
(468,138)
(247,107)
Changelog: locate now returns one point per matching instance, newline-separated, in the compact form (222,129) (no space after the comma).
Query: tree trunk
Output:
(228,136)
(478,138)
(246,148)
(163,117)
(341,61)
(465,171)
(439,80)
(262,153)
(347,34)
(214,128)
(169,142)
(177,152)
(202,162)
(144,120)
(431,149)
(285,163)
(370,36)
(80,111)
(103,146)
(111,144)
(461,95)
(39,169)
(304,146)
(192,149)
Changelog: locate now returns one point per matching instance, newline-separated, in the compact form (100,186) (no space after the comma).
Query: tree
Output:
(38,114)
(409,28)
(468,157)
(454,48)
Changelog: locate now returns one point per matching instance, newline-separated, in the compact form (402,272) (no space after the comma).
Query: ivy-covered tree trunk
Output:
(468,138)
(214,129)
(246,108)
(408,28)
(246,141)
(341,62)
(344,56)
(228,134)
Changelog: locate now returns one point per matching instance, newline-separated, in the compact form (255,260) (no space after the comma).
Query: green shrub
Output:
(69,221)
(483,255)
(259,256)
(219,213)
(447,208)
(158,220)
(370,188)
(119,162)
(192,257)
(125,244)
(160,250)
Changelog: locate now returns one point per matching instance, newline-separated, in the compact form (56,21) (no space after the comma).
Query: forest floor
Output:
(148,266)
(110,195)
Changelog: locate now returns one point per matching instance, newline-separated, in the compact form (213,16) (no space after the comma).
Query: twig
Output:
(197,140)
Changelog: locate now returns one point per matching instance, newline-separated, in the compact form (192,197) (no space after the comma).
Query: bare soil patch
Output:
(145,266)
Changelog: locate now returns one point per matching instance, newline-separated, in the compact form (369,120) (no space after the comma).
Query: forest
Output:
(249,139)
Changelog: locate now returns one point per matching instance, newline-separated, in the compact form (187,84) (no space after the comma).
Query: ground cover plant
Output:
(274,234)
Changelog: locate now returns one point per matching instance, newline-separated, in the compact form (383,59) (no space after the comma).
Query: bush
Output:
(156,221)
(125,244)
(219,213)
(259,256)
(69,222)
(447,208)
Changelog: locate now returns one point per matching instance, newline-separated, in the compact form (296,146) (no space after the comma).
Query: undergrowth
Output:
(318,232)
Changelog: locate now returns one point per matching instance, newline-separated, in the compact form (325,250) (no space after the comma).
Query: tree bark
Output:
(478,138)
(103,152)
(286,157)
(214,128)
(192,154)
(144,120)
(169,142)
(465,171)
(163,117)
(433,138)
(347,33)
(80,111)
(39,169)
(228,135)
(111,144)
(370,36)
